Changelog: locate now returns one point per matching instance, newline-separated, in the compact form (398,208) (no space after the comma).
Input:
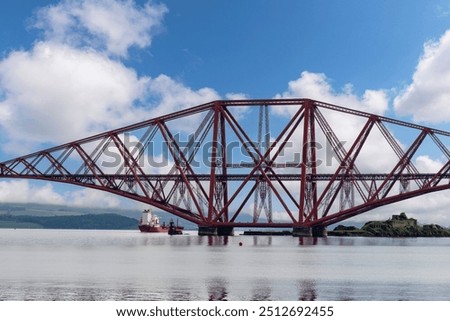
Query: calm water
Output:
(129,265)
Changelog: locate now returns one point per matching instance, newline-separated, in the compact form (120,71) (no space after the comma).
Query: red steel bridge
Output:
(222,165)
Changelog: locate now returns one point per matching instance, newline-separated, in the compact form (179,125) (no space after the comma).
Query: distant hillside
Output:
(56,213)
(85,222)
(32,209)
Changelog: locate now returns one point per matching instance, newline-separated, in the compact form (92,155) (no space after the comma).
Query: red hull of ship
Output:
(153,229)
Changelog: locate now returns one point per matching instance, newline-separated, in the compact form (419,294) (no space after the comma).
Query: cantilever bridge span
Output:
(223,164)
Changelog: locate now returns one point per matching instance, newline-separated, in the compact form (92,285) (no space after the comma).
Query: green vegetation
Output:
(342,230)
(31,209)
(397,226)
(88,221)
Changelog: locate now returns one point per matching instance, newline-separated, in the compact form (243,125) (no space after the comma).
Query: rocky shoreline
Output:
(397,226)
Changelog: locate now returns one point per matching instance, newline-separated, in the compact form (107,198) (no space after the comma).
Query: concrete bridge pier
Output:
(319,231)
(207,230)
(225,231)
(213,230)
(302,231)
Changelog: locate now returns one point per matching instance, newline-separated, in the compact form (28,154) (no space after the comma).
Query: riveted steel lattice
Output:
(205,163)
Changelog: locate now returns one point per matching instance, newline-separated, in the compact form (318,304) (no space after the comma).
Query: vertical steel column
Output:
(347,195)
(263,193)
(213,164)
(224,183)
(217,201)
(308,185)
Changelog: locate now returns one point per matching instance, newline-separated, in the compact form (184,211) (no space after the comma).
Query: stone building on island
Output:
(402,221)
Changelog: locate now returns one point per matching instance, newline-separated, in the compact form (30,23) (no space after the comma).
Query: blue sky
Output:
(256,47)
(133,60)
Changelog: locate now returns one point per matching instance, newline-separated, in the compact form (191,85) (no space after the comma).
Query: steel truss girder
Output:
(218,195)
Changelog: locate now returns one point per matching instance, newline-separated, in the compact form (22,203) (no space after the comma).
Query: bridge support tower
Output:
(213,230)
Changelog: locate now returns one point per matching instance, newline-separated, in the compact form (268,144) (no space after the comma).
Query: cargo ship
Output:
(150,223)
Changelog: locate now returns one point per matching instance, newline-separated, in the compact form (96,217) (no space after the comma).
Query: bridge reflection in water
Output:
(129,265)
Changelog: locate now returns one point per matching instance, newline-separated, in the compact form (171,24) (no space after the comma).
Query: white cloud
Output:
(172,95)
(375,157)
(427,97)
(61,89)
(22,191)
(236,96)
(72,84)
(92,198)
(425,164)
(57,93)
(427,209)
(443,11)
(317,86)
(110,25)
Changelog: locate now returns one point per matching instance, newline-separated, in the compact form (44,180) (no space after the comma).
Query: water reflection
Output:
(213,240)
(217,289)
(262,241)
(175,240)
(222,289)
(307,240)
(131,266)
(345,292)
(180,293)
(217,240)
(262,291)
(265,240)
(307,290)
